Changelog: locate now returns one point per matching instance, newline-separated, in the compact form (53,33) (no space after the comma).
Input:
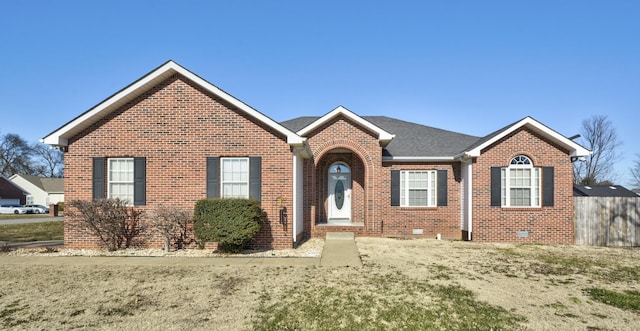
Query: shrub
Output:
(230,222)
(114,223)
(174,225)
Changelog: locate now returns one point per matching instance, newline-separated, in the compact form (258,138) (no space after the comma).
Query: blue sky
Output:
(466,66)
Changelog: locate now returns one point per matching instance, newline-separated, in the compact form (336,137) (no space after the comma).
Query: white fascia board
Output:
(575,150)
(384,136)
(418,158)
(60,136)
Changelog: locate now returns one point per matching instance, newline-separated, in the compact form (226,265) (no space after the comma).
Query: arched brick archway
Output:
(362,186)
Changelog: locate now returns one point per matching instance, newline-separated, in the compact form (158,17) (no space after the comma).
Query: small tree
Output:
(114,223)
(174,225)
(230,222)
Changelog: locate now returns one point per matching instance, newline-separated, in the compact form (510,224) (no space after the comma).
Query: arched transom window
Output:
(520,183)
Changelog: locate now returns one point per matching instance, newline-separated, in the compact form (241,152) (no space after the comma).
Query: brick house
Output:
(173,138)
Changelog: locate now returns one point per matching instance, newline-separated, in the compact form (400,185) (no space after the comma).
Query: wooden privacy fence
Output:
(607,221)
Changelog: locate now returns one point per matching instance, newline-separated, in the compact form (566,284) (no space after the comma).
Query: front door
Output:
(339,199)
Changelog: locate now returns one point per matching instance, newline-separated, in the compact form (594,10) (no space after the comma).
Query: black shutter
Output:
(255,177)
(496,189)
(547,186)
(98,178)
(139,181)
(213,177)
(395,187)
(442,187)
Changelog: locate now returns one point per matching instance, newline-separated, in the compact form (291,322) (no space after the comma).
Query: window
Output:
(235,177)
(520,183)
(418,188)
(120,180)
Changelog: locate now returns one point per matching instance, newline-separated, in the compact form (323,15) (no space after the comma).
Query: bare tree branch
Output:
(635,173)
(51,160)
(15,156)
(601,138)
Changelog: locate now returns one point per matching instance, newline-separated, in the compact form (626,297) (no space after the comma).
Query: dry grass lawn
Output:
(403,284)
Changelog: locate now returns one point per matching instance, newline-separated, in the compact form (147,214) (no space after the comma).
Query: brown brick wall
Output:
(342,140)
(552,225)
(176,126)
(444,220)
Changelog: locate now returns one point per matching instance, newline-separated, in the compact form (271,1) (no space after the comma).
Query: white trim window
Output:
(520,183)
(418,188)
(235,177)
(120,182)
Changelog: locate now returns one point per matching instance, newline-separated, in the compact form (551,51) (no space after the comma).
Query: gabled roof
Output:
(9,188)
(603,191)
(575,149)
(60,137)
(384,136)
(47,184)
(411,142)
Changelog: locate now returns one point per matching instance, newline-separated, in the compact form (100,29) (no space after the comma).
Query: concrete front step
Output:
(340,236)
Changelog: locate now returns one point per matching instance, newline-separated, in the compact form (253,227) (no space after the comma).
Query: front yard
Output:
(403,284)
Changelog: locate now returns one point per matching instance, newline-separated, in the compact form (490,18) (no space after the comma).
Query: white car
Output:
(38,209)
(14,209)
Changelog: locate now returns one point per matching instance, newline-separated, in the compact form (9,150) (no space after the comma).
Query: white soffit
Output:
(60,136)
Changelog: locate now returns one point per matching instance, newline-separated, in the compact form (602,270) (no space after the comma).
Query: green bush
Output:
(232,223)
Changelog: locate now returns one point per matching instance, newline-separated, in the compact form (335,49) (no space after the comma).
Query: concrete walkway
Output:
(339,251)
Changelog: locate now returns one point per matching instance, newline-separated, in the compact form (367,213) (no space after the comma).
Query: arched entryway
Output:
(340,185)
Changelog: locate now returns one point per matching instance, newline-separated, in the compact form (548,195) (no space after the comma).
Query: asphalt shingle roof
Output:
(411,139)
(50,185)
(603,191)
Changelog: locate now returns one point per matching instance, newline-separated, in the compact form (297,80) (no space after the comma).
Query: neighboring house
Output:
(172,138)
(11,194)
(42,190)
(616,191)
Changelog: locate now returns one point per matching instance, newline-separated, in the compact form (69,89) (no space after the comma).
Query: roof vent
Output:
(613,187)
(588,187)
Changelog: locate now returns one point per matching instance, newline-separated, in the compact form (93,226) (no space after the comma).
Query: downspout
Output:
(469,198)
(294,200)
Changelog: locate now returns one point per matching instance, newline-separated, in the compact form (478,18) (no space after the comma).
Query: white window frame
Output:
(128,183)
(224,182)
(510,180)
(407,187)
